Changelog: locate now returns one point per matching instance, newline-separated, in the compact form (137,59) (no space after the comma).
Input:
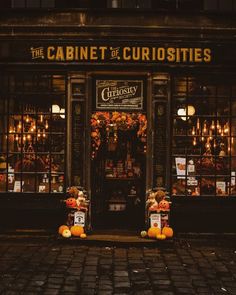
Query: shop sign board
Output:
(115,52)
(119,94)
(79,218)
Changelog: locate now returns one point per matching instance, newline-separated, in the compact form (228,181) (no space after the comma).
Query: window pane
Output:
(143,3)
(210,4)
(202,134)
(128,3)
(18,3)
(114,3)
(226,5)
(31,132)
(47,3)
(33,3)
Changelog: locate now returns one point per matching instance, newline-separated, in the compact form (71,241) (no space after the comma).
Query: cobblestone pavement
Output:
(51,268)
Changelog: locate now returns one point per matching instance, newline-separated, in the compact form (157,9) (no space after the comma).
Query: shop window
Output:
(32,133)
(203,147)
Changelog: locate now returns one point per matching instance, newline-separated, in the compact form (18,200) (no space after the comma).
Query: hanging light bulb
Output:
(27,119)
(198,124)
(194,141)
(17,137)
(29,137)
(204,128)
(24,137)
(210,133)
(207,145)
(44,134)
(193,131)
(226,128)
(46,124)
(19,125)
(41,118)
(212,125)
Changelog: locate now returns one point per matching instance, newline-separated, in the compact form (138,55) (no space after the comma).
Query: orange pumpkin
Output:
(77,230)
(161,237)
(168,231)
(153,232)
(71,203)
(61,228)
(164,205)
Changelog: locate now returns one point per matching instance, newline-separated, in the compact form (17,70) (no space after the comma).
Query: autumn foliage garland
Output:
(116,121)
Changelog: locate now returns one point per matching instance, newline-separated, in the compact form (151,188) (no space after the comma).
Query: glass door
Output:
(118,169)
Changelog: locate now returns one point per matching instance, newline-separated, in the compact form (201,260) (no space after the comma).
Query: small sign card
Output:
(155,220)
(79,218)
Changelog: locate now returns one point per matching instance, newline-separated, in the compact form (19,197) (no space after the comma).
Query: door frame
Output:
(149,113)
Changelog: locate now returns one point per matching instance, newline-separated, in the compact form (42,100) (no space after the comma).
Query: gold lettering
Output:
(69,53)
(145,53)
(83,53)
(198,54)
(50,53)
(76,53)
(153,53)
(171,54)
(136,53)
(60,53)
(126,53)
(160,54)
(190,54)
(184,54)
(207,54)
(177,55)
(102,49)
(93,53)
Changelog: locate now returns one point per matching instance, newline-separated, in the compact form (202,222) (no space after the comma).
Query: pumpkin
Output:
(61,228)
(161,237)
(77,230)
(66,233)
(71,203)
(153,232)
(83,236)
(164,205)
(143,234)
(167,231)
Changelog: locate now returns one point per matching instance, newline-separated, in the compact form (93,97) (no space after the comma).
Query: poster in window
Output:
(180,167)
(119,94)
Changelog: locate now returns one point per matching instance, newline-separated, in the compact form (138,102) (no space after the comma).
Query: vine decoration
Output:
(111,122)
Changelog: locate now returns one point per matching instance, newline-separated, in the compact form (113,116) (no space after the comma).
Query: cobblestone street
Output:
(51,267)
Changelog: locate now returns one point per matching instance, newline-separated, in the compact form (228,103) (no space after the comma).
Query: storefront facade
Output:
(118,110)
